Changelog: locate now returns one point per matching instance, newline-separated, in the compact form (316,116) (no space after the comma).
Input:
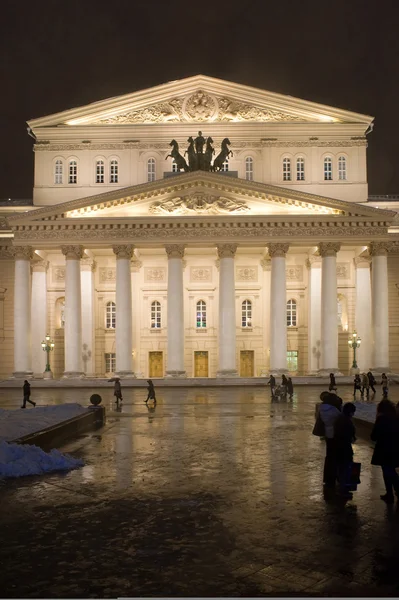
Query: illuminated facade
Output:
(138,269)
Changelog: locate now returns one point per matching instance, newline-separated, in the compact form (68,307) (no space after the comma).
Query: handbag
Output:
(319,428)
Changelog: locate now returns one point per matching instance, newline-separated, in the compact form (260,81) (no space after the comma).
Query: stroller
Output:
(280,393)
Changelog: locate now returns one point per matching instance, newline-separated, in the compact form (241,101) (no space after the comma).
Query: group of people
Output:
(334,423)
(280,391)
(366,382)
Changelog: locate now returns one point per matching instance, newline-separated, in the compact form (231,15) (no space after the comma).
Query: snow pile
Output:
(15,424)
(365,411)
(18,460)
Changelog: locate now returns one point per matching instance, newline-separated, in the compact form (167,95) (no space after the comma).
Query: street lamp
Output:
(48,346)
(354,343)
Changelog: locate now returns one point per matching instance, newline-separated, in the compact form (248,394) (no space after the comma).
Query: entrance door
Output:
(247,363)
(155,364)
(200,364)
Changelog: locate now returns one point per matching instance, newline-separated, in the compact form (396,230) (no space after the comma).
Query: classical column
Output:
(363,313)
(135,267)
(266,265)
(329,307)
(227,312)
(73,312)
(314,314)
(379,304)
(22,314)
(39,316)
(123,315)
(278,308)
(175,358)
(87,268)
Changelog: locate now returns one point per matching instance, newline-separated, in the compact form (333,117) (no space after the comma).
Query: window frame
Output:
(113,170)
(111,357)
(246,314)
(342,170)
(249,168)
(292,359)
(155,315)
(151,169)
(300,172)
(292,313)
(110,315)
(59,173)
(100,171)
(328,173)
(201,314)
(286,169)
(72,171)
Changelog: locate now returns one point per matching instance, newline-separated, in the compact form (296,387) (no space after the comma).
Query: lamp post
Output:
(48,346)
(354,343)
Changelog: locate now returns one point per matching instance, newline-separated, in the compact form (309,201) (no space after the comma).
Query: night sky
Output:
(57,55)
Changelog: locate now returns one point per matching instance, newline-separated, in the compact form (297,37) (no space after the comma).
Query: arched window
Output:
(300,169)
(73,172)
(58,172)
(246,313)
(201,314)
(225,165)
(291,313)
(249,168)
(155,315)
(174,166)
(286,169)
(99,171)
(328,174)
(151,165)
(113,171)
(342,168)
(110,315)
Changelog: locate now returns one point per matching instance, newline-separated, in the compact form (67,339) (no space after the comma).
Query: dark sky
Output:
(56,55)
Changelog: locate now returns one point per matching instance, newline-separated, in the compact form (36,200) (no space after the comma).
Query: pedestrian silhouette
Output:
(26,392)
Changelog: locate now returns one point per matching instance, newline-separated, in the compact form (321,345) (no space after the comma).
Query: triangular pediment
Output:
(200,99)
(202,195)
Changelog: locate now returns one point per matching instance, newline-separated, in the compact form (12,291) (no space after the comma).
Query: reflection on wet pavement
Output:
(210,492)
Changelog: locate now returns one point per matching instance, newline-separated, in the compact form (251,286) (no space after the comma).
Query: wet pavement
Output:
(215,493)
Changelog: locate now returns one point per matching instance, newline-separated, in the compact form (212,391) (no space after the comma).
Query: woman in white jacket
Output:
(330,409)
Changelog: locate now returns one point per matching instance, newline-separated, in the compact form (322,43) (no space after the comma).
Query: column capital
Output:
(313,262)
(175,250)
(23,252)
(88,264)
(362,262)
(226,250)
(380,248)
(72,252)
(266,263)
(124,251)
(277,250)
(328,248)
(40,266)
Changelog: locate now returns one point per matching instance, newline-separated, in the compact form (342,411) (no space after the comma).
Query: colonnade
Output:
(371,308)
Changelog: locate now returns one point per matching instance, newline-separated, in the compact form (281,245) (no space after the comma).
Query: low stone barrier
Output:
(56,435)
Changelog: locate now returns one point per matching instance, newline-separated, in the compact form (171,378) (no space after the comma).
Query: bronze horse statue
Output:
(209,152)
(177,157)
(222,156)
(192,155)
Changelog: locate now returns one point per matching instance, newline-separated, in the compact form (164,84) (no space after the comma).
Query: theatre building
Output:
(199,228)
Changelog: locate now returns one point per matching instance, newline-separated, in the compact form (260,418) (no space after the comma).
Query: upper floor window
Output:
(246,313)
(58,172)
(328,174)
(286,169)
(342,168)
(249,168)
(151,169)
(73,171)
(100,171)
(225,165)
(110,315)
(174,166)
(300,169)
(201,314)
(155,315)
(113,171)
(291,313)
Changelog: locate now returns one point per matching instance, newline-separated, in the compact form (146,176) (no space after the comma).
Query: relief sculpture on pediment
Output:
(198,204)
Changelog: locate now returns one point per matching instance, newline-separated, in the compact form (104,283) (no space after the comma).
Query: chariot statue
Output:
(197,158)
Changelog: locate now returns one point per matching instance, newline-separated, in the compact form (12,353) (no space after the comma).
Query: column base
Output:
(278,371)
(225,373)
(48,375)
(326,372)
(381,369)
(22,375)
(125,375)
(176,374)
(73,375)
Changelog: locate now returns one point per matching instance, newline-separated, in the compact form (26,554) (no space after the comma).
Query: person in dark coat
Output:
(344,435)
(385,385)
(357,384)
(151,391)
(385,434)
(26,392)
(333,386)
(118,391)
(272,383)
(290,387)
(371,381)
(329,411)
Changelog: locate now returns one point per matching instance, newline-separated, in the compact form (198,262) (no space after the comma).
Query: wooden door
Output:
(247,363)
(200,364)
(155,364)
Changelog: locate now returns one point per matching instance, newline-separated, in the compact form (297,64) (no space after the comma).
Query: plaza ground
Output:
(216,492)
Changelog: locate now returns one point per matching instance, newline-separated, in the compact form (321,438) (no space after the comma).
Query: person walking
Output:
(118,391)
(344,435)
(290,387)
(329,411)
(333,386)
(371,381)
(357,385)
(151,391)
(385,434)
(365,385)
(26,393)
(385,385)
(272,383)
